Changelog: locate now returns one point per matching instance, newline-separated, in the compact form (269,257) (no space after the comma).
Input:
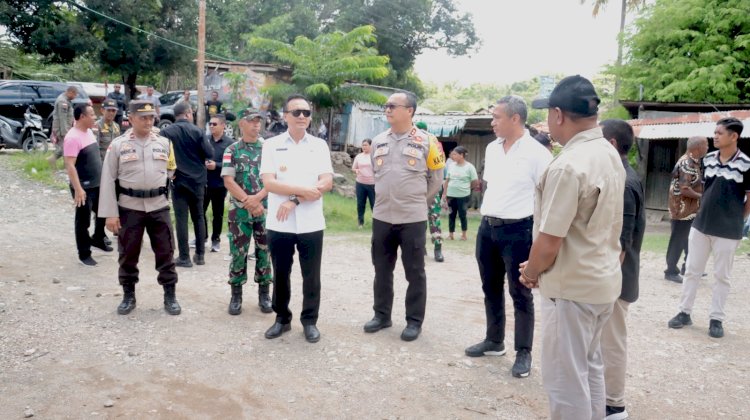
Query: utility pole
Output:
(201,115)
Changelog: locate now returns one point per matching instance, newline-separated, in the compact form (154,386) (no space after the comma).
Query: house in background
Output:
(662,138)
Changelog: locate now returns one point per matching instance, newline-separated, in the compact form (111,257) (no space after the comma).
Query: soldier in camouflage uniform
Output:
(434,221)
(240,170)
(433,214)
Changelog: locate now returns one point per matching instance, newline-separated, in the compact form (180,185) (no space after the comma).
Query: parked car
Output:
(17,95)
(168,101)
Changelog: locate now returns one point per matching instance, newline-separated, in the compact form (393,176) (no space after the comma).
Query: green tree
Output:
(65,31)
(322,67)
(690,51)
(625,6)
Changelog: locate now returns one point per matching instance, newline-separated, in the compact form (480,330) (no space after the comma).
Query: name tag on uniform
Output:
(409,151)
(160,155)
(128,157)
(381,151)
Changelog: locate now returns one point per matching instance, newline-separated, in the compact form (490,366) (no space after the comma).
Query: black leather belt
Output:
(496,221)
(156,192)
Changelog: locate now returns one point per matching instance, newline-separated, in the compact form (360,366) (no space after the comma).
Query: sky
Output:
(527,38)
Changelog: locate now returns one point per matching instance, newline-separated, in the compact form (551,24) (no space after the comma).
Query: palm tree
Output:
(322,68)
(626,5)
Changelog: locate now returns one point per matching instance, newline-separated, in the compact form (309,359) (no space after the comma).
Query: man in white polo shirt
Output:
(296,170)
(513,165)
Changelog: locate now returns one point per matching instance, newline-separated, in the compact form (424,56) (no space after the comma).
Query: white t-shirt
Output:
(296,164)
(512,177)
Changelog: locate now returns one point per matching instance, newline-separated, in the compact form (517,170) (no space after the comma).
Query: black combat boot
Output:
(264,299)
(235,304)
(170,301)
(439,253)
(128,299)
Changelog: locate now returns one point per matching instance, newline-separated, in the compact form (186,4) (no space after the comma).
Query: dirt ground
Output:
(65,353)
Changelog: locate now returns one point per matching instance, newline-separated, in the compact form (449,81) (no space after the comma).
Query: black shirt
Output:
(191,151)
(214,176)
(213,107)
(120,99)
(723,202)
(631,238)
(89,166)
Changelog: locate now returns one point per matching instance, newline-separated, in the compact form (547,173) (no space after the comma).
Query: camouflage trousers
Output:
(240,230)
(436,235)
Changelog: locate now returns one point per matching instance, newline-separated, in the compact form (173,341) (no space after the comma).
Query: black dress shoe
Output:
(199,259)
(179,262)
(101,245)
(312,335)
(277,329)
(376,324)
(411,332)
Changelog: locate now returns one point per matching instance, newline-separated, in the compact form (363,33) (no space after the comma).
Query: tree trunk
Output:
(620,40)
(130,89)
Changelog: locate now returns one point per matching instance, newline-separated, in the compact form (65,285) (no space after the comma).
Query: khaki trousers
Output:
(572,369)
(615,354)
(701,247)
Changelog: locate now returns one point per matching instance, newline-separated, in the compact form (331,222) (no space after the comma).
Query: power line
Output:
(135,28)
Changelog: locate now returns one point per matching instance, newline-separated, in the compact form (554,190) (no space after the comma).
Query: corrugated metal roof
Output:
(682,130)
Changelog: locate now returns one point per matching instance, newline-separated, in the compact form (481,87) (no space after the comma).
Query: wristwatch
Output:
(293,198)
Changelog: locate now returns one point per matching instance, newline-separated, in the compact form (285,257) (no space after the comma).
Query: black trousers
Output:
(386,239)
(678,243)
(310,248)
(364,192)
(159,228)
(500,250)
(216,197)
(82,222)
(189,199)
(458,206)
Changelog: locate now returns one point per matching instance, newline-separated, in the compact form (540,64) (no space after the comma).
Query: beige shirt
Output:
(580,199)
(62,116)
(403,178)
(140,164)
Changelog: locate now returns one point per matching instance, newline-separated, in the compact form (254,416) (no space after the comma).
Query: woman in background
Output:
(365,189)
(460,179)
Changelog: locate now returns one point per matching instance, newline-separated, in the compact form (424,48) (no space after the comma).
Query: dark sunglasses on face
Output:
(213,124)
(297,112)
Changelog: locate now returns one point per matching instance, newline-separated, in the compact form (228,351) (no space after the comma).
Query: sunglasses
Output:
(394,106)
(304,112)
(213,124)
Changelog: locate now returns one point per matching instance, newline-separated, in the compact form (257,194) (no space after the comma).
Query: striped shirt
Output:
(723,202)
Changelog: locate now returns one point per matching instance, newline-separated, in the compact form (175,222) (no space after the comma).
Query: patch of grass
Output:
(36,168)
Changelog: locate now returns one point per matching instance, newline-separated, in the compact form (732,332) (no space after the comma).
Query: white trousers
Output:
(701,247)
(572,369)
(615,353)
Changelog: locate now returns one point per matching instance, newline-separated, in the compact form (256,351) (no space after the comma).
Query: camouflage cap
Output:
(142,108)
(109,104)
(251,114)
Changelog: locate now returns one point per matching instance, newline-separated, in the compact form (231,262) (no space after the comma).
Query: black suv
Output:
(167,103)
(17,95)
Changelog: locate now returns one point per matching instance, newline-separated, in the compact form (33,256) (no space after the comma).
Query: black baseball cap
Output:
(109,104)
(574,94)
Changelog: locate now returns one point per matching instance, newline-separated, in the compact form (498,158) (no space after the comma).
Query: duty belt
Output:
(496,221)
(156,192)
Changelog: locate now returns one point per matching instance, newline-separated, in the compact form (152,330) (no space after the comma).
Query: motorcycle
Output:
(28,136)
